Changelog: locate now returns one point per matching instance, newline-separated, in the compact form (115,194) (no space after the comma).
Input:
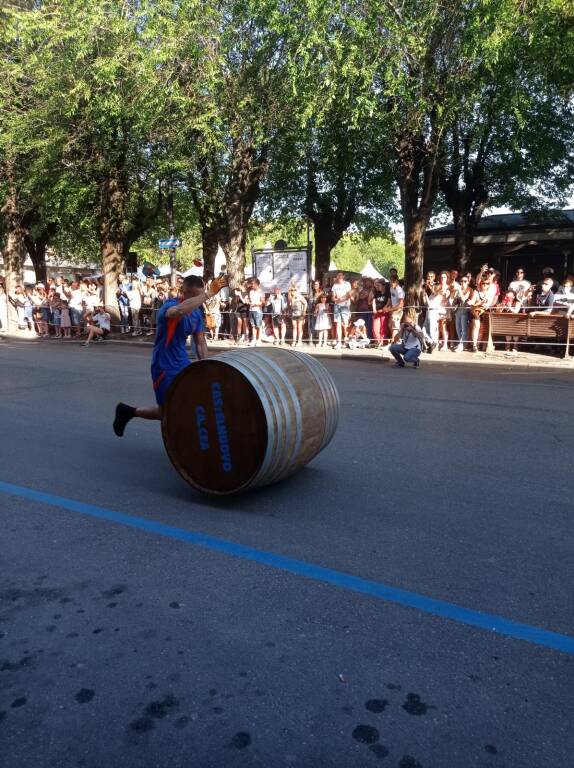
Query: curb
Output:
(371,355)
(522,360)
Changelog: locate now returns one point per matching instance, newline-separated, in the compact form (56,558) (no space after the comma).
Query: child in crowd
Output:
(510,303)
(56,307)
(357,336)
(297,304)
(322,320)
(277,306)
(65,320)
(213,316)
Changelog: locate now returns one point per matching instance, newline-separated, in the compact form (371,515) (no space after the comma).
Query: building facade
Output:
(507,241)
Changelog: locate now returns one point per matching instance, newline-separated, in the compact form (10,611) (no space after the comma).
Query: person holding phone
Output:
(407,344)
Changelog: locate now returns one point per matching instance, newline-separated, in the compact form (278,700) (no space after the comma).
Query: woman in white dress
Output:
(322,320)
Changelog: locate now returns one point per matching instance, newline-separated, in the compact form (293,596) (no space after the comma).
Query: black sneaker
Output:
(399,365)
(416,364)
(124,413)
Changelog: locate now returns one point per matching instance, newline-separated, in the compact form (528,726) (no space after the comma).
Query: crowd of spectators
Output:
(447,314)
(449,310)
(452,307)
(62,308)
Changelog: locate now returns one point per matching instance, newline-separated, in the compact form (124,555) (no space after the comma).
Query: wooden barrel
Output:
(248,418)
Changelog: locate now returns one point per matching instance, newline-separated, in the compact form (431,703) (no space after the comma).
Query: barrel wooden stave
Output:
(295,384)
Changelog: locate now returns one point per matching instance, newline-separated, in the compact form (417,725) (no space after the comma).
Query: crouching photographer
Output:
(99,325)
(407,344)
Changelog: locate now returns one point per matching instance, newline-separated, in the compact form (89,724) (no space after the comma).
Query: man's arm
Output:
(547,309)
(186,307)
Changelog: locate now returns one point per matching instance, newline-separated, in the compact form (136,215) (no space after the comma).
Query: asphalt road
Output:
(128,646)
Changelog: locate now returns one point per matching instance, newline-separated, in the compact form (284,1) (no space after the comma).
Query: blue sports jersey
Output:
(169,353)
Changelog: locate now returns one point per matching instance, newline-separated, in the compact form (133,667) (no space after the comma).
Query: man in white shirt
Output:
(519,285)
(341,295)
(135,301)
(75,302)
(256,299)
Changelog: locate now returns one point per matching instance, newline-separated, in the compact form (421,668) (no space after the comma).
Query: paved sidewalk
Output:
(498,357)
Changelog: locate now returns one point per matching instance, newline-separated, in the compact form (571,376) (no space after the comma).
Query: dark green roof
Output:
(505,221)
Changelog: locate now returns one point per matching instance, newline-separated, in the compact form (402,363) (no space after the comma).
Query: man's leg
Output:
(345,325)
(125,413)
(338,326)
(396,351)
(378,328)
(91,333)
(412,356)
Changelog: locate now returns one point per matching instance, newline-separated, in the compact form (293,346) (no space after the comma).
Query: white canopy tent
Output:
(370,271)
(198,271)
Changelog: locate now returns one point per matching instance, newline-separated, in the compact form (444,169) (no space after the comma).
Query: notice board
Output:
(282,269)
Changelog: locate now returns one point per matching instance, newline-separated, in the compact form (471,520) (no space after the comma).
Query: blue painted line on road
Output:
(429,605)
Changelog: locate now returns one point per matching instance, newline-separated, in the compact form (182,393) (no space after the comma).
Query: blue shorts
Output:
(256,317)
(341,314)
(161,383)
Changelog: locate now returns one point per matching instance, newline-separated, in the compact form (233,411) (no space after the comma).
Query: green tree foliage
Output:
(509,143)
(353,251)
(336,174)
(241,94)
(19,154)
(92,101)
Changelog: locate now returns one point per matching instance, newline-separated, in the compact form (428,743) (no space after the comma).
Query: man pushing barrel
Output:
(177,319)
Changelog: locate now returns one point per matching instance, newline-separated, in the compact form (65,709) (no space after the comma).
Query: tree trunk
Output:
(36,248)
(14,253)
(36,245)
(466,195)
(418,178)
(233,245)
(112,254)
(414,257)
(38,257)
(326,238)
(210,246)
(461,241)
(113,237)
